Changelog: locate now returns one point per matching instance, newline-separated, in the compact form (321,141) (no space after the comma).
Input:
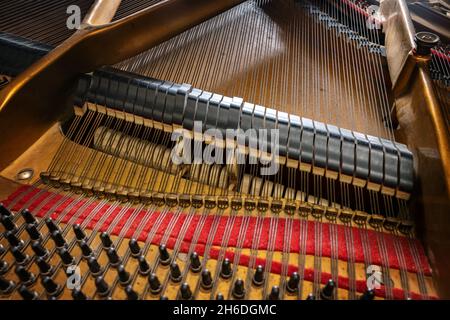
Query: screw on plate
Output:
(25,174)
(425,41)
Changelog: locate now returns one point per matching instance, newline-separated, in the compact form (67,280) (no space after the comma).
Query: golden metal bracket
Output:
(38,97)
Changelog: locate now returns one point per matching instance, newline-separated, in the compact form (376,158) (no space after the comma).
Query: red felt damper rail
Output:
(26,193)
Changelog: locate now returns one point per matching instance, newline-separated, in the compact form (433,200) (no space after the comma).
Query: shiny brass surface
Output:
(423,127)
(399,32)
(33,95)
(102,12)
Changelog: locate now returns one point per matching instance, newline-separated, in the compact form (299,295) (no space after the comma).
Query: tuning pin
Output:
(328,290)
(8,223)
(106,240)
(238,289)
(4,211)
(164,256)
(79,233)
(33,232)
(196,265)
(163,298)
(51,287)
(292,284)
(26,277)
(27,216)
(207,281)
(102,286)
(21,258)
(274,293)
(155,285)
(124,275)
(226,269)
(113,257)
(311,297)
(77,294)
(220,296)
(134,248)
(185,290)
(51,225)
(2,249)
(175,273)
(94,266)
(3,267)
(144,268)
(131,294)
(44,267)
(85,249)
(66,257)
(27,294)
(39,249)
(13,240)
(58,238)
(6,286)
(258,277)
(368,295)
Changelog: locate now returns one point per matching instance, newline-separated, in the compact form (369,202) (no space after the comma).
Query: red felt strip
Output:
(26,193)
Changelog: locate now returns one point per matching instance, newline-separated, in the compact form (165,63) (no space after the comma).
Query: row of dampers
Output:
(324,149)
